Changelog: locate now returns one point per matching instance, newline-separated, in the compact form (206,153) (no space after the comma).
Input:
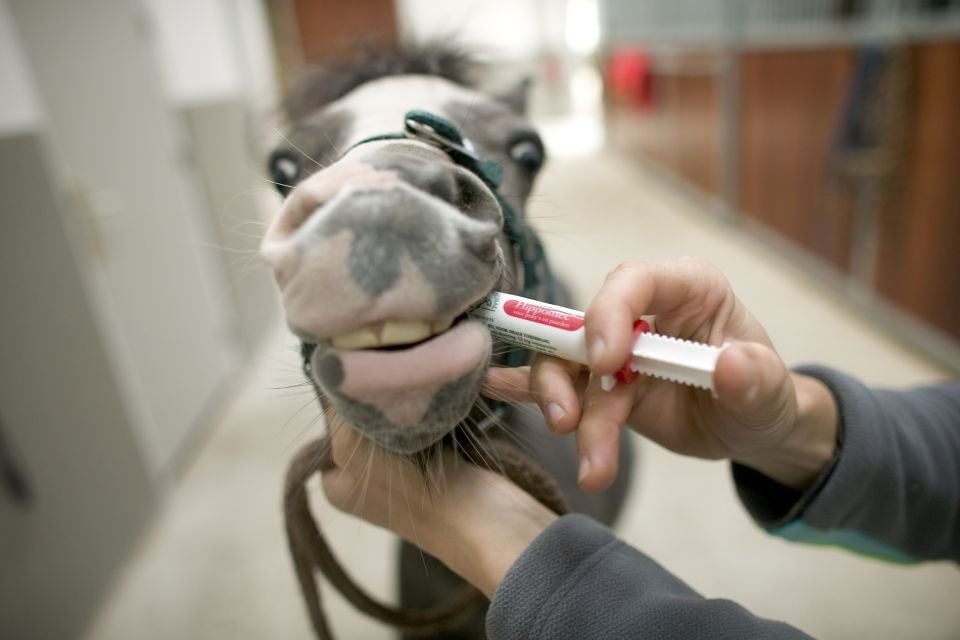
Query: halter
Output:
(423,126)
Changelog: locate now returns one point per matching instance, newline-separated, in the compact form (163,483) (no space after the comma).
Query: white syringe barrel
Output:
(542,327)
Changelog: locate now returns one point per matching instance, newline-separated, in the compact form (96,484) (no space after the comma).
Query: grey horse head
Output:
(381,246)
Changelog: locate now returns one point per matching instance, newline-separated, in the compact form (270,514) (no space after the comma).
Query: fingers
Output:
(338,486)
(598,436)
(510,384)
(553,382)
(634,289)
(348,446)
(339,483)
(753,383)
(549,382)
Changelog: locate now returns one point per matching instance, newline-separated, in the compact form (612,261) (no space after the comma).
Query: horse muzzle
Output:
(377,259)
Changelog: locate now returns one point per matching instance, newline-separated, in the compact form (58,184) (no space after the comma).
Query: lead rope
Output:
(308,547)
(311,553)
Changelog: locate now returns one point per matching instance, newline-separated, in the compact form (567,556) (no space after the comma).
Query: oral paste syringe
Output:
(558,331)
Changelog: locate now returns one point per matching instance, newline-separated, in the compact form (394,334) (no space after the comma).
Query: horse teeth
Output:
(389,333)
(440,326)
(400,332)
(360,339)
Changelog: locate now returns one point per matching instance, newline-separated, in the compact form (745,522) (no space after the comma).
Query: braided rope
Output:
(311,552)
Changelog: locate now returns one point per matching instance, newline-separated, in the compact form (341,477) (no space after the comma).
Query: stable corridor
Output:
(215,564)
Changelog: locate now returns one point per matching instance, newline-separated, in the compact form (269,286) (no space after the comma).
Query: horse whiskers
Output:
(289,386)
(249,261)
(295,414)
(472,439)
(257,175)
(436,476)
(527,408)
(467,455)
(336,148)
(256,222)
(504,429)
(246,271)
(246,192)
(492,453)
(304,154)
(353,452)
(244,253)
(390,471)
(303,431)
(332,423)
(331,432)
(526,447)
(413,525)
(296,394)
(366,481)
(506,399)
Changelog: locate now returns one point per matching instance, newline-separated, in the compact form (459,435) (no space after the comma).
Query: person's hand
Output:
(762,415)
(475,521)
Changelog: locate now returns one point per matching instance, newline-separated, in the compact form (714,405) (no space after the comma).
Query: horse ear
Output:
(516,96)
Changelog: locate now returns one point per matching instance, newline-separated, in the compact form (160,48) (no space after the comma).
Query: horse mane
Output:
(322,85)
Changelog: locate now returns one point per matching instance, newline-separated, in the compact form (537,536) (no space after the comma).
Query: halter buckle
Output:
(416,130)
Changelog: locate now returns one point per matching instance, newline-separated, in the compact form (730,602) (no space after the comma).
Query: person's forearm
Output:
(894,480)
(483,532)
(811,444)
(576,580)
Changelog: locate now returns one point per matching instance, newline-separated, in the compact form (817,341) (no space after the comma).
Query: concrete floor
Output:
(215,564)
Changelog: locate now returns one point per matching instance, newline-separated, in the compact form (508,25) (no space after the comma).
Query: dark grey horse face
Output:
(379,253)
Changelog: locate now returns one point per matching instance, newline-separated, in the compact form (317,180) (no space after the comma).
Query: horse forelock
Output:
(325,84)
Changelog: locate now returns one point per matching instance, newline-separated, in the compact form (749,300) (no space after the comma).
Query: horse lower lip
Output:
(438,360)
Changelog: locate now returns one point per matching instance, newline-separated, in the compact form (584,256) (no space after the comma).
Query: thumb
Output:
(339,487)
(752,383)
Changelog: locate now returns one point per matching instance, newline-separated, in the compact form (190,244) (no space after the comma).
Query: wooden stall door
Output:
(680,127)
(918,263)
(332,27)
(790,106)
(308,33)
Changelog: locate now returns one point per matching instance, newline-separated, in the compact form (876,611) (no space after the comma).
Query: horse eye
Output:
(284,169)
(528,154)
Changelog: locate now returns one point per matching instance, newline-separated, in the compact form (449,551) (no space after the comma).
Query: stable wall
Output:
(896,236)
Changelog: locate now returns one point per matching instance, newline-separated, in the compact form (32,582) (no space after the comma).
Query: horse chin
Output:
(406,400)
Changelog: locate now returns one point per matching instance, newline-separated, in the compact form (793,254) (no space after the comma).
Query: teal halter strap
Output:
(427,127)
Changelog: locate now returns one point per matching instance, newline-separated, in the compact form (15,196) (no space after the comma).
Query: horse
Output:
(405,191)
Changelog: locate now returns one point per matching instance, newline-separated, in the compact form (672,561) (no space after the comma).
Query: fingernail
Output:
(598,347)
(584,469)
(555,413)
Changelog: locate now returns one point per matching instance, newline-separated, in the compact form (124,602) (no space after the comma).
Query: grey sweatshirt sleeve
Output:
(893,489)
(577,580)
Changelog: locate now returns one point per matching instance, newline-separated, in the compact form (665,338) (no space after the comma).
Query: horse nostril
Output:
(438,182)
(482,244)
(429,176)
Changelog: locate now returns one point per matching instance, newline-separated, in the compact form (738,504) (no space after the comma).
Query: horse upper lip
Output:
(389,333)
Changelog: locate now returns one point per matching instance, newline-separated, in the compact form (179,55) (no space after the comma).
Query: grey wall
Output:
(121,155)
(232,169)
(69,434)
(129,291)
